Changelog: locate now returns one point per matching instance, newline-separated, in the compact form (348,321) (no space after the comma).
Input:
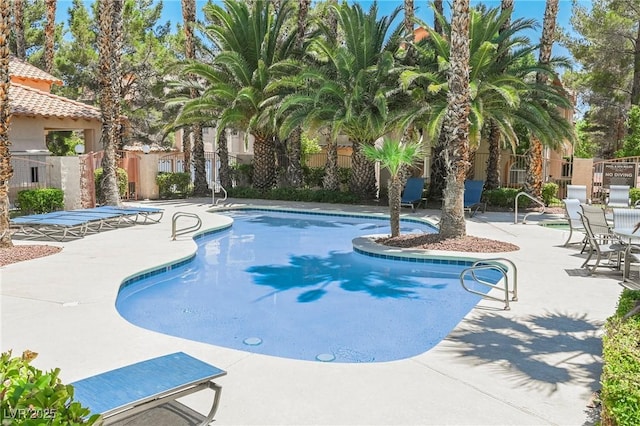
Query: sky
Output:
(522,9)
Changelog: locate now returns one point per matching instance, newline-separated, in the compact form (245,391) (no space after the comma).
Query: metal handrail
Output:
(496,265)
(217,188)
(174,224)
(537,200)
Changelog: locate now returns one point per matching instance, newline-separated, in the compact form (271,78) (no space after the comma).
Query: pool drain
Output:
(252,341)
(325,357)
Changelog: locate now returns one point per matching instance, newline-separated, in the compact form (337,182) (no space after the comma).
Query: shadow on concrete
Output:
(170,414)
(536,352)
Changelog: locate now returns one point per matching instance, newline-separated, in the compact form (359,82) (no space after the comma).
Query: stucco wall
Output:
(65,174)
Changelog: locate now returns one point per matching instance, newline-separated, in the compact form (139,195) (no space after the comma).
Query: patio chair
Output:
(602,241)
(618,196)
(473,197)
(572,211)
(129,390)
(578,192)
(412,193)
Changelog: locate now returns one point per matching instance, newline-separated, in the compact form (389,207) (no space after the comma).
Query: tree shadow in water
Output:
(316,273)
(538,352)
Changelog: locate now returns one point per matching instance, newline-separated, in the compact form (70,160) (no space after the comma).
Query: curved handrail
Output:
(495,265)
(537,200)
(217,187)
(174,221)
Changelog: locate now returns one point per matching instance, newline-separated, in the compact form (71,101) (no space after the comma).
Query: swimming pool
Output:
(289,284)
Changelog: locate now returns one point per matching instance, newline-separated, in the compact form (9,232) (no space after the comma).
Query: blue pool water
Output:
(290,285)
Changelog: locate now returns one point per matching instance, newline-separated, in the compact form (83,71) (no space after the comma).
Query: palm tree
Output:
(253,47)
(49,35)
(439,12)
(110,79)
(493,171)
(354,88)
(200,184)
(18,29)
(295,138)
(188,19)
(6,170)
(533,184)
(394,156)
(456,124)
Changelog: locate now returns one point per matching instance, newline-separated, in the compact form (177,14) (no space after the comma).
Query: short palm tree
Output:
(394,156)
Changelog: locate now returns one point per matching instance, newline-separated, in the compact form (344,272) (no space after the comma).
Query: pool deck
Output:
(536,364)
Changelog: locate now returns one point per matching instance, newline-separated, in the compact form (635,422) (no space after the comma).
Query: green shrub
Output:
(123,183)
(620,394)
(41,200)
(242,174)
(505,197)
(549,193)
(32,397)
(174,185)
(313,176)
(634,194)
(344,175)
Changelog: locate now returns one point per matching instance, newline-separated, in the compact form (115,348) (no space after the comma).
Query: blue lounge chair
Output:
(412,193)
(473,197)
(136,213)
(129,390)
(49,225)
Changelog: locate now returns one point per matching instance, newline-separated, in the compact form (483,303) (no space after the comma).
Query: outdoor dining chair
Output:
(602,240)
(618,196)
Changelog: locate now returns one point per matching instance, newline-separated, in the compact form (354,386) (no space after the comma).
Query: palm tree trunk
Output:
(186,149)
(533,184)
(294,169)
(6,171)
(264,173)
(223,153)
(49,35)
(493,162)
(456,124)
(331,180)
(109,49)
(395,188)
(200,184)
(493,169)
(363,173)
(438,7)
(635,87)
(18,29)
(409,16)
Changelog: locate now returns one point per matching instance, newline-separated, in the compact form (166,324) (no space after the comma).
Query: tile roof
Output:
(27,101)
(19,68)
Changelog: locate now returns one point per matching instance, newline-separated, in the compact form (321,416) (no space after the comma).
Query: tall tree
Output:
(18,29)
(533,184)
(494,138)
(49,35)
(252,46)
(6,170)
(439,9)
(110,79)
(294,171)
(408,22)
(456,124)
(200,179)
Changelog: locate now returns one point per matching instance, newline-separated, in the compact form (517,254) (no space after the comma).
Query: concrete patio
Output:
(537,364)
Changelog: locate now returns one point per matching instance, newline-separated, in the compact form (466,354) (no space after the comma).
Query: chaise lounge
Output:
(129,390)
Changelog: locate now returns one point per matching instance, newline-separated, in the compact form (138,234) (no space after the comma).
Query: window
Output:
(34,175)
